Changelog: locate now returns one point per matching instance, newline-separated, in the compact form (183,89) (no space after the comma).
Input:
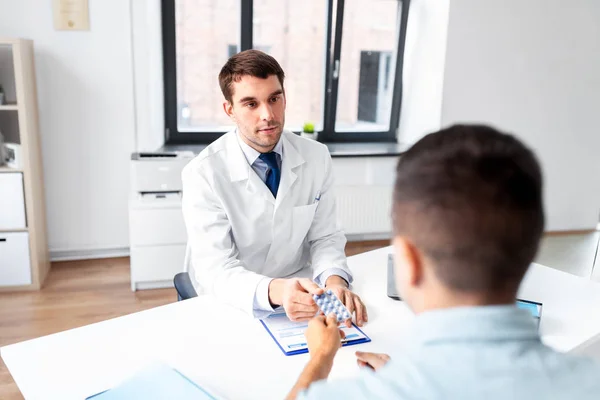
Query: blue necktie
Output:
(273,174)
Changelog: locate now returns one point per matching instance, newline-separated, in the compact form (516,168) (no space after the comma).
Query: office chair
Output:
(183,284)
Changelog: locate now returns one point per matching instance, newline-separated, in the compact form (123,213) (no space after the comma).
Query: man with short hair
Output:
(259,206)
(467,219)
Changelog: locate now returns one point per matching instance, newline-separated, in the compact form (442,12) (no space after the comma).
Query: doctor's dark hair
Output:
(249,62)
(470,199)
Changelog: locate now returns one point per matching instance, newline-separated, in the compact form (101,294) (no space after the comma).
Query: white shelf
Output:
(9,169)
(9,107)
(13,230)
(21,125)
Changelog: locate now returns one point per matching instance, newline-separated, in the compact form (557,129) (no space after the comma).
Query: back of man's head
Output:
(469,198)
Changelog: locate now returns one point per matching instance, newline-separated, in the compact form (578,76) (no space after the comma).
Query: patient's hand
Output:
(324,337)
(371,360)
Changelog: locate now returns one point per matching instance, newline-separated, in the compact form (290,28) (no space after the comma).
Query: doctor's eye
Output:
(274,99)
(251,104)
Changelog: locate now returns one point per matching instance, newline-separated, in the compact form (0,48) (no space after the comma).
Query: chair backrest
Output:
(182,281)
(183,286)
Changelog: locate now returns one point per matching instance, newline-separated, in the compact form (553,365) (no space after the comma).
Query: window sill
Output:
(335,149)
(366,149)
(195,148)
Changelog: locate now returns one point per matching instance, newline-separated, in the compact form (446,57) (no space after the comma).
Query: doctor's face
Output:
(258,109)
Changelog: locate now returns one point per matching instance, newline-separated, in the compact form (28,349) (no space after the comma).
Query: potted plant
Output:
(1,95)
(308,131)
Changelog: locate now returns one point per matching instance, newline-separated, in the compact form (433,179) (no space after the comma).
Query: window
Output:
(342,59)
(233,49)
(294,33)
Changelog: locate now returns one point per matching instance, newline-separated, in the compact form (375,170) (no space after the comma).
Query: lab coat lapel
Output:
(290,160)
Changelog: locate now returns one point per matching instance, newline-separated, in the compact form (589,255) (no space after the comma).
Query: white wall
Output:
(86,110)
(533,68)
(148,74)
(423,75)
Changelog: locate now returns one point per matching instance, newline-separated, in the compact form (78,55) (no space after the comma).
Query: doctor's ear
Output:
(228,108)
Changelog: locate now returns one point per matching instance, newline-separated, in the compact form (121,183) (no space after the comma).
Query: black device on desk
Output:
(533,307)
(392,291)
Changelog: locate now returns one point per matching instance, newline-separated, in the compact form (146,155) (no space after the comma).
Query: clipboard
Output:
(289,335)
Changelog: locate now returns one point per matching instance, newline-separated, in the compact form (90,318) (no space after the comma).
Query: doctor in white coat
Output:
(259,207)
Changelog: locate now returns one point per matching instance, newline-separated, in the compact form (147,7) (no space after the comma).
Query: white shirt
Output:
(472,353)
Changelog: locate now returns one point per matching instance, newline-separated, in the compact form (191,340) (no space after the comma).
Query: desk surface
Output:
(216,345)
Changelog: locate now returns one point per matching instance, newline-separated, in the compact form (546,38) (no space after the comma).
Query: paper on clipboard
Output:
(289,335)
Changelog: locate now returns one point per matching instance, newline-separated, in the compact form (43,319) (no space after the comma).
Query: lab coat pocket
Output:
(302,220)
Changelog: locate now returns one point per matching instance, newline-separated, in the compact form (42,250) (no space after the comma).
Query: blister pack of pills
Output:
(329,303)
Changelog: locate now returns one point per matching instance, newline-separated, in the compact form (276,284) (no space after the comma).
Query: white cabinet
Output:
(157,235)
(12,202)
(157,239)
(14,259)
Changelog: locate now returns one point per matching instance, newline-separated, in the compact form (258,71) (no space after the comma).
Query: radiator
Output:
(364,210)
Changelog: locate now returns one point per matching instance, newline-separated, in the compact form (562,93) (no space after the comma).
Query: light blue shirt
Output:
(261,296)
(489,353)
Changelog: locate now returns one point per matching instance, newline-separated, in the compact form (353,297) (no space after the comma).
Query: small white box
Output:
(14,259)
(12,202)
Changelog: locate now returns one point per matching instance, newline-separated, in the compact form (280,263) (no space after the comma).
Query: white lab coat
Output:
(239,233)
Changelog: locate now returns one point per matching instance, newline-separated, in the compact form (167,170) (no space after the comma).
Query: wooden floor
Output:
(78,293)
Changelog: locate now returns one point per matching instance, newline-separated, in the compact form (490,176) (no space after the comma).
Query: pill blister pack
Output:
(329,303)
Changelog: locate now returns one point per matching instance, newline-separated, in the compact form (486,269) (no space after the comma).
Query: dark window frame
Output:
(332,59)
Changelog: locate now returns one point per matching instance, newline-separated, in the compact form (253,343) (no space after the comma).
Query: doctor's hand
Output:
(371,360)
(324,337)
(295,295)
(352,302)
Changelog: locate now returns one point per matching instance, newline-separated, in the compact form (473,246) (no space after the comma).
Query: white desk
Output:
(201,338)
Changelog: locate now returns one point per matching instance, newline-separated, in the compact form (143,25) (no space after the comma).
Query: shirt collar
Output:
(484,323)
(251,154)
